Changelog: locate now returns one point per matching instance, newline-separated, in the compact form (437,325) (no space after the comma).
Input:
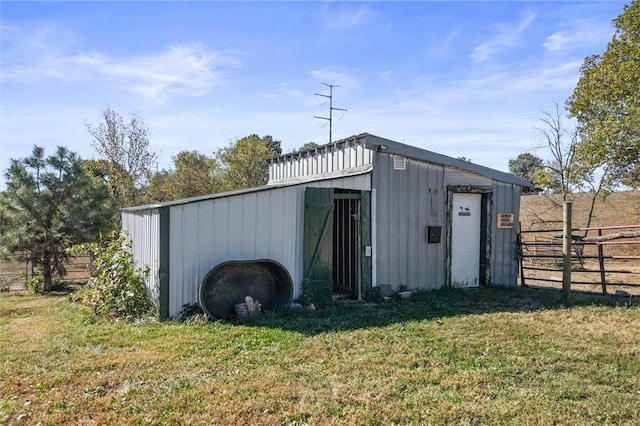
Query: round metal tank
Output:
(229,283)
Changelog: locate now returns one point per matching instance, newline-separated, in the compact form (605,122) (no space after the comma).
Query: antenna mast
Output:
(331,108)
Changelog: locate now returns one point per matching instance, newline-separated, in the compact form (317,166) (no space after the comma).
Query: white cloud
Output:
(334,76)
(186,70)
(581,33)
(386,76)
(348,18)
(180,69)
(506,36)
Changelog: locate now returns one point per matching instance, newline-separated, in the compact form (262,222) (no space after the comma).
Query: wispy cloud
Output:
(580,34)
(345,18)
(507,35)
(333,75)
(180,69)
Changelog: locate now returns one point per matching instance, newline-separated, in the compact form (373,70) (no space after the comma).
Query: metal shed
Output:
(358,213)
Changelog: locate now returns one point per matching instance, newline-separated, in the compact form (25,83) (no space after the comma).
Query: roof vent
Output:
(399,162)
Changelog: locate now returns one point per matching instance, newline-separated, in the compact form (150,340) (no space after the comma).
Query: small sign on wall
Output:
(505,220)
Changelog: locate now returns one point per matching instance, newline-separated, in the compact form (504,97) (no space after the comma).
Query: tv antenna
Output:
(331,108)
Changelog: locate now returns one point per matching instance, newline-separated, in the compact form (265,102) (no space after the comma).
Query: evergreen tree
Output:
(50,204)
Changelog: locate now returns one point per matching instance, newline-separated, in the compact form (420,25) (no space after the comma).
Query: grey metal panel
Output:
(407,201)
(265,224)
(504,264)
(459,177)
(360,182)
(374,143)
(143,229)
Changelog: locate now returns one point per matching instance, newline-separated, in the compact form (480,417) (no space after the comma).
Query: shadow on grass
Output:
(428,305)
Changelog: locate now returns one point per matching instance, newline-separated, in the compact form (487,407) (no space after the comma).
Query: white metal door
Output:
(465,239)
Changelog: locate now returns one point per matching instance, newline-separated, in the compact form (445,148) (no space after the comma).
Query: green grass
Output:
(493,356)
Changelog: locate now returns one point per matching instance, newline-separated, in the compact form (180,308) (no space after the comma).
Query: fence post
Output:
(566,251)
(521,255)
(603,278)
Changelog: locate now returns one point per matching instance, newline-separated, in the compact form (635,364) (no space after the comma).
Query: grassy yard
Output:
(492,356)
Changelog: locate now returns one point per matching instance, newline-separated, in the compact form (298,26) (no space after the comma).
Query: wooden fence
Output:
(14,272)
(601,258)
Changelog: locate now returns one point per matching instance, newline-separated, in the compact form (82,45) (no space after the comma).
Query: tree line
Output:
(54,202)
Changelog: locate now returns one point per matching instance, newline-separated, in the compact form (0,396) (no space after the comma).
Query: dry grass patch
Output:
(444,357)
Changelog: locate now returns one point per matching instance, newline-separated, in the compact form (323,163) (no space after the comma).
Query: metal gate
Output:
(347,243)
(337,238)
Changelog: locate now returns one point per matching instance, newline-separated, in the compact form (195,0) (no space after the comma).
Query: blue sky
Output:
(459,78)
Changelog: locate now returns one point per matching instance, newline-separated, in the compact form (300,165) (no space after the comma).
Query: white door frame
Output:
(484,243)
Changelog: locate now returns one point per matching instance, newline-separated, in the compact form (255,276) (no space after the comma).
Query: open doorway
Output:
(346,244)
(336,232)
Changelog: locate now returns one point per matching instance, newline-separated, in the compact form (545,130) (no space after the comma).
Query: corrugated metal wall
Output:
(327,159)
(406,203)
(504,264)
(266,224)
(143,228)
(457,177)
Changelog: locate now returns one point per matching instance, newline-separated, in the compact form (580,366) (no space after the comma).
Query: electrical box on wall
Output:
(433,234)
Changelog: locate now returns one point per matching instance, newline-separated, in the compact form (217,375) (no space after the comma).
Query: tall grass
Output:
(491,356)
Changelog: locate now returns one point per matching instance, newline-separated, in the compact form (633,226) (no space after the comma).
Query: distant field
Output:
(619,208)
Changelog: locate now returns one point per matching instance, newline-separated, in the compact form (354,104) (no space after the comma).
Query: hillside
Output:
(545,211)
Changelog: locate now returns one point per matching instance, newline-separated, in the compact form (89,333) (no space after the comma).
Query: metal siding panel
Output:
(176,254)
(143,228)
(248,226)
(234,230)
(422,276)
(460,177)
(191,235)
(381,185)
(263,223)
(504,266)
(403,211)
(206,242)
(220,225)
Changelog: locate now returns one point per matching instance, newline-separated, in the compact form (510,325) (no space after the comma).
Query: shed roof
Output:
(292,182)
(376,143)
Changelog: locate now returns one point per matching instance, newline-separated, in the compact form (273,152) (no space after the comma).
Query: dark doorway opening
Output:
(346,244)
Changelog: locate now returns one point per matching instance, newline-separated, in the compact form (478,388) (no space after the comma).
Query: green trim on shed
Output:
(163,270)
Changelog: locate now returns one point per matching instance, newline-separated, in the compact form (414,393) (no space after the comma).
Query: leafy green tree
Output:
(309,146)
(118,181)
(532,168)
(124,147)
(50,204)
(524,165)
(606,102)
(194,174)
(246,162)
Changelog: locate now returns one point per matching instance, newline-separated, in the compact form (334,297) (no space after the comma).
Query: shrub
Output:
(116,288)
(35,283)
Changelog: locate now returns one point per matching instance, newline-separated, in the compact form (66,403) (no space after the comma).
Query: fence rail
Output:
(15,272)
(541,257)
